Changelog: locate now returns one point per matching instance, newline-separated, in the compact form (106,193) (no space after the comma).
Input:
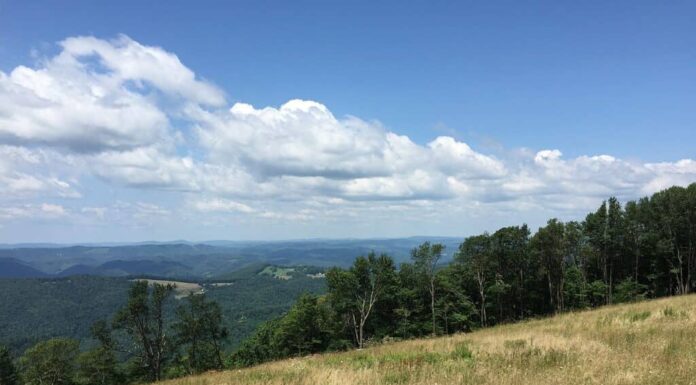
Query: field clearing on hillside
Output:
(181,289)
(652,342)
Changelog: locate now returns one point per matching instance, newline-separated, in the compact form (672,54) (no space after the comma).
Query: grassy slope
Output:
(652,342)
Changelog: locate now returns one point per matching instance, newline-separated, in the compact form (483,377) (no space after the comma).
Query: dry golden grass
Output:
(652,342)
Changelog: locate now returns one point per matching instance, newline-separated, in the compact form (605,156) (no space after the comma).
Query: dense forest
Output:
(618,253)
(68,306)
(643,249)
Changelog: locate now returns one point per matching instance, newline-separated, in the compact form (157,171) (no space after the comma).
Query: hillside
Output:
(13,268)
(649,342)
(67,306)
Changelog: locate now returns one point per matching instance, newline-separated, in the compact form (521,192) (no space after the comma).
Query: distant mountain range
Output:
(182,259)
(14,268)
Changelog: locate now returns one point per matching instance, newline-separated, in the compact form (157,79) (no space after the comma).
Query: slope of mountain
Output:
(120,268)
(37,309)
(13,268)
(208,260)
(642,343)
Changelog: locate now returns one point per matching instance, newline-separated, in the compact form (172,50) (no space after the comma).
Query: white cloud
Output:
(135,117)
(129,60)
(97,95)
(53,210)
(33,211)
(22,174)
(222,205)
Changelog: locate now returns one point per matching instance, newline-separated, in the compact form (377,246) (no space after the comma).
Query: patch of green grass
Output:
(462,352)
(284,273)
(515,344)
(636,316)
(670,312)
(401,377)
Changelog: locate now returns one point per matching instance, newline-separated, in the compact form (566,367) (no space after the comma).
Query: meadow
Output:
(650,342)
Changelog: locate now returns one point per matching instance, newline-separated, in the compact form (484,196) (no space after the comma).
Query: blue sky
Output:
(519,84)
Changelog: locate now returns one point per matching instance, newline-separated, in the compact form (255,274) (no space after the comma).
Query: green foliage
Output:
(462,352)
(199,330)
(305,329)
(143,319)
(618,254)
(596,292)
(425,258)
(50,362)
(633,316)
(575,290)
(629,290)
(56,307)
(354,293)
(98,367)
(8,371)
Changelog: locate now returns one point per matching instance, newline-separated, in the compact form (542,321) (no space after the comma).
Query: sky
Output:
(135,121)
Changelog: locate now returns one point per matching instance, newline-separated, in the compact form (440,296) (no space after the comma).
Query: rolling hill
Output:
(13,268)
(35,309)
(203,260)
(649,342)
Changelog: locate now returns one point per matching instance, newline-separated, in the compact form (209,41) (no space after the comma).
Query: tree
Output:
(199,329)
(509,248)
(596,225)
(675,214)
(143,319)
(302,330)
(475,254)
(455,307)
(258,348)
(425,258)
(50,362)
(412,318)
(98,366)
(354,292)
(8,371)
(548,243)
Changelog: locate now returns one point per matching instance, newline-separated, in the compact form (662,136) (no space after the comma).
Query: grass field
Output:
(181,289)
(652,342)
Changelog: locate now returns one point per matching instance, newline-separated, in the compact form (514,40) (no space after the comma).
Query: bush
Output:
(629,290)
(50,362)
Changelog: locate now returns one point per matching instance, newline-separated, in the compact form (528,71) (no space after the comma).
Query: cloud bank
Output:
(117,115)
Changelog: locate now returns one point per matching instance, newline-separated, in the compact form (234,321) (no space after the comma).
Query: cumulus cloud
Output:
(33,211)
(135,117)
(222,205)
(96,95)
(22,174)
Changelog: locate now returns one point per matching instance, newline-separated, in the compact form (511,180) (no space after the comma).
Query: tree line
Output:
(139,345)
(618,253)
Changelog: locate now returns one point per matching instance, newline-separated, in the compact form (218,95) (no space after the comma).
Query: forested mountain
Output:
(38,309)
(201,260)
(618,253)
(13,268)
(132,268)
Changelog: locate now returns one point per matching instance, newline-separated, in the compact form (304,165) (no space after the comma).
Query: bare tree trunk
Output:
(432,302)
(482,293)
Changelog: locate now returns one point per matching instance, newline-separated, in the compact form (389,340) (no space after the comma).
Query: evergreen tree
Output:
(8,371)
